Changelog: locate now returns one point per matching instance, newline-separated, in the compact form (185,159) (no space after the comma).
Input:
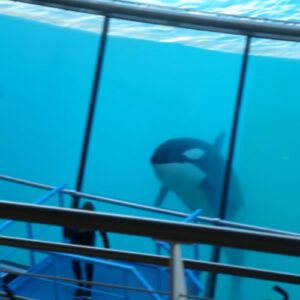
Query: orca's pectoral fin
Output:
(161,196)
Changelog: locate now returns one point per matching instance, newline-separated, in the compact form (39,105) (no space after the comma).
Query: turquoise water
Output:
(150,91)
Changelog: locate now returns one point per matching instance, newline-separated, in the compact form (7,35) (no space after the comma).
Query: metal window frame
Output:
(259,28)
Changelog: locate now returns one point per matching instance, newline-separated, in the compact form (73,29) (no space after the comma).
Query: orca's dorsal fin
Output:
(219,141)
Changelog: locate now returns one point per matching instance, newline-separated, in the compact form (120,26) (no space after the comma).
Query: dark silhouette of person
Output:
(281,291)
(85,237)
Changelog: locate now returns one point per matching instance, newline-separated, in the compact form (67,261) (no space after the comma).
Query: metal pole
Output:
(228,171)
(177,278)
(176,232)
(56,282)
(214,221)
(91,113)
(64,280)
(30,236)
(234,130)
(150,259)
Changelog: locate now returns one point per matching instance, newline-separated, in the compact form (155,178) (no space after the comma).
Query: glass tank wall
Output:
(45,85)
(161,129)
(266,159)
(150,93)
(46,75)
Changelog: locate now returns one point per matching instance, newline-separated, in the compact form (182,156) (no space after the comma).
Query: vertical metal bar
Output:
(196,246)
(91,113)
(196,257)
(157,248)
(177,278)
(235,123)
(61,202)
(30,236)
(227,174)
(56,273)
(159,278)
(53,192)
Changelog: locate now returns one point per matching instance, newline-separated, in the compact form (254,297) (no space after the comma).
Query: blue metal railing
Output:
(144,283)
(55,257)
(17,284)
(57,191)
(52,193)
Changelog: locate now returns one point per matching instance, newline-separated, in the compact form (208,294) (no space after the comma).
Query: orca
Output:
(194,170)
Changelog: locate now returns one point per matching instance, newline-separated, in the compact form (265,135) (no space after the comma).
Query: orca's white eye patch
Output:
(194,153)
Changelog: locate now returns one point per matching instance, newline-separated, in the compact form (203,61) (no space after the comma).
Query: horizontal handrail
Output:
(74,193)
(214,221)
(72,282)
(159,229)
(150,259)
(94,261)
(76,281)
(178,18)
